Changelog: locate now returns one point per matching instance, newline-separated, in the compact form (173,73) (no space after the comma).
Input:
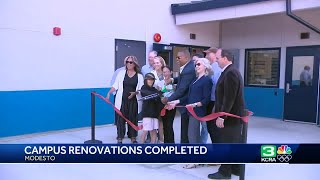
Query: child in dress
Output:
(151,108)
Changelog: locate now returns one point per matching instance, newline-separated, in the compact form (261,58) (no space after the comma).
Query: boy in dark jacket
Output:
(151,108)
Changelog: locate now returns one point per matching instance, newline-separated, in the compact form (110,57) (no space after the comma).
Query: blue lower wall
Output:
(265,102)
(24,112)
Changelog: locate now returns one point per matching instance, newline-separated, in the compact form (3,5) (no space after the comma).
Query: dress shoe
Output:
(218,175)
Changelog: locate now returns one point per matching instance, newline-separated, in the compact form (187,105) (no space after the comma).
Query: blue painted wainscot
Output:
(25,112)
(265,102)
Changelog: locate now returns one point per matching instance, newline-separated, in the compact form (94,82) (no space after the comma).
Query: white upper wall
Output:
(161,21)
(253,9)
(32,58)
(277,30)
(269,31)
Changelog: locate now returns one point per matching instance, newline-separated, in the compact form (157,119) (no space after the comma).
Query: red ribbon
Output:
(211,116)
(137,128)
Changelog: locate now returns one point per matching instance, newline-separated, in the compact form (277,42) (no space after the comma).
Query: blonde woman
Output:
(158,64)
(127,84)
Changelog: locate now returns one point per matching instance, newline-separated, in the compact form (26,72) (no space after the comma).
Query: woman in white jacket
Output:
(127,84)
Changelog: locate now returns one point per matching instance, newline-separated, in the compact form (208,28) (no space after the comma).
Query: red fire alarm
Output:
(157,37)
(57,31)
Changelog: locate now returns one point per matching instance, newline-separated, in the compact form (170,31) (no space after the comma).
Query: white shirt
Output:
(169,88)
(305,76)
(157,80)
(182,67)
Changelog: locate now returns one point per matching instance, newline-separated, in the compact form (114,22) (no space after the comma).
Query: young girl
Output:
(151,108)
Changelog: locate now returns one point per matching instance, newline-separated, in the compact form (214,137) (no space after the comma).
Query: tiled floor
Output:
(261,130)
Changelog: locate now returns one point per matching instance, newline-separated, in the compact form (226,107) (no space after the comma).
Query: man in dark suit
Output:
(187,75)
(229,98)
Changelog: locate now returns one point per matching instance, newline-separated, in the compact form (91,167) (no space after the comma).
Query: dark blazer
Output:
(183,81)
(229,95)
(199,91)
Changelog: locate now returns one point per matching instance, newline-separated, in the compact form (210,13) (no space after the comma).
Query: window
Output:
(262,67)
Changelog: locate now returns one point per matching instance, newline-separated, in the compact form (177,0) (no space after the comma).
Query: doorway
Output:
(124,48)
(165,51)
(302,84)
(169,53)
(180,47)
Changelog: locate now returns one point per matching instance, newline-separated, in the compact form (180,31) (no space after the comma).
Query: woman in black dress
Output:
(127,84)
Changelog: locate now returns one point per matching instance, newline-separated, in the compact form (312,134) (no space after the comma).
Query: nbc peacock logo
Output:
(272,153)
(284,153)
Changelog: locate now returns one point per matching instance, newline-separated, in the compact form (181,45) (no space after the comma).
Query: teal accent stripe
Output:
(264,102)
(25,112)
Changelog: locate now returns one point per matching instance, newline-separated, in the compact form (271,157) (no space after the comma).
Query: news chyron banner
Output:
(160,153)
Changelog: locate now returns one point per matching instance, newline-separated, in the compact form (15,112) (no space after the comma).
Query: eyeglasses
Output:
(198,64)
(130,62)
